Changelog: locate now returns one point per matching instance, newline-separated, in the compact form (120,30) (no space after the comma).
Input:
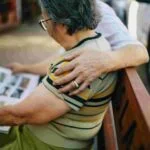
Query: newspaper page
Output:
(14,88)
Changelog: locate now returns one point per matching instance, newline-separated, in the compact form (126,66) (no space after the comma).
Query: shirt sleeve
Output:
(99,88)
(112,28)
(75,102)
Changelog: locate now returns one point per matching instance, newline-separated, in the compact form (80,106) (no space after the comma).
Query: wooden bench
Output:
(127,123)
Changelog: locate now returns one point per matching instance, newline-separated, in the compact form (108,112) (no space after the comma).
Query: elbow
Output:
(144,54)
(147,57)
(141,55)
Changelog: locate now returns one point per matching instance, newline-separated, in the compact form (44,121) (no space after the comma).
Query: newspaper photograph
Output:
(14,88)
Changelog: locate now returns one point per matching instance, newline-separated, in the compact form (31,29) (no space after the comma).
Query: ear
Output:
(61,29)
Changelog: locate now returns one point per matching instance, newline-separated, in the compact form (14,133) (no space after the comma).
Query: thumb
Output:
(72,56)
(11,67)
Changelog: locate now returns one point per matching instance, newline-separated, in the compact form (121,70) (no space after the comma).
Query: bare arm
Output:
(131,55)
(39,68)
(40,107)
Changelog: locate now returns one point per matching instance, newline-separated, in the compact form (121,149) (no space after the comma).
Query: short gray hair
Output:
(75,14)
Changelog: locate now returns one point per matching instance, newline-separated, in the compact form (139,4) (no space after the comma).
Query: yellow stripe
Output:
(53,77)
(93,110)
(85,94)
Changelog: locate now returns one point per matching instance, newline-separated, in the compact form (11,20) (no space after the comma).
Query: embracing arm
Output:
(128,51)
(130,55)
(88,65)
(40,107)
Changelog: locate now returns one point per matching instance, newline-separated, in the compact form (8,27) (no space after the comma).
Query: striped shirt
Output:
(77,128)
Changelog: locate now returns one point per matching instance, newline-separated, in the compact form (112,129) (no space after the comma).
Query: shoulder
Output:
(103,44)
(99,44)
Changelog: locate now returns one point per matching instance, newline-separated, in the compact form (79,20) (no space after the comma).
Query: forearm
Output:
(128,56)
(41,67)
(38,68)
(8,117)
(40,107)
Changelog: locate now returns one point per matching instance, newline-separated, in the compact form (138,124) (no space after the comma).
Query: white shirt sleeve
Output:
(112,28)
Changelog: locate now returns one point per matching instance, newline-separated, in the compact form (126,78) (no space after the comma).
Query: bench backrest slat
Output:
(131,105)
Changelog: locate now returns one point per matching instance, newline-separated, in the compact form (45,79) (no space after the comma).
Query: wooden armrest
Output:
(110,138)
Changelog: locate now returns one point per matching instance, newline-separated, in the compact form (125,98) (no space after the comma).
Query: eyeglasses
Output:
(42,24)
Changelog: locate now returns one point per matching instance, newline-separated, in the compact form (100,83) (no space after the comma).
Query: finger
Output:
(70,87)
(72,56)
(9,65)
(82,88)
(70,66)
(67,88)
(67,78)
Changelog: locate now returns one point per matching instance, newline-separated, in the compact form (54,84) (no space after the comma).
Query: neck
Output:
(69,42)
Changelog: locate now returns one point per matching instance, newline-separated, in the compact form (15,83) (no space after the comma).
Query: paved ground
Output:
(29,43)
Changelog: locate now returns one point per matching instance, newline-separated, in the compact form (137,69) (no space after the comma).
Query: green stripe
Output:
(53,70)
(77,98)
(111,79)
(88,105)
(72,103)
(77,103)
(73,100)
(101,99)
(103,77)
(77,127)
(86,115)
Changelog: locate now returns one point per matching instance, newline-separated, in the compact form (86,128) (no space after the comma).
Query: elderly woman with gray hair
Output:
(48,119)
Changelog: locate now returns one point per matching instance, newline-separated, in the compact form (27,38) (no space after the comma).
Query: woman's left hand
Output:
(84,68)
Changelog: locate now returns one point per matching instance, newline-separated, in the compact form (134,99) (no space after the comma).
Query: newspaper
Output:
(14,88)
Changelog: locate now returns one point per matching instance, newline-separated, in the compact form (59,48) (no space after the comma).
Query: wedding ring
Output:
(76,84)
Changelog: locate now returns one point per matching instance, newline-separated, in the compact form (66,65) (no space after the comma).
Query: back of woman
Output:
(78,127)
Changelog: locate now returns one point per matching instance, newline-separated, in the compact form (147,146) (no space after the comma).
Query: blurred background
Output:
(22,39)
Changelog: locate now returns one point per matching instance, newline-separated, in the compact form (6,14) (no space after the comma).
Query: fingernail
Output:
(66,57)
